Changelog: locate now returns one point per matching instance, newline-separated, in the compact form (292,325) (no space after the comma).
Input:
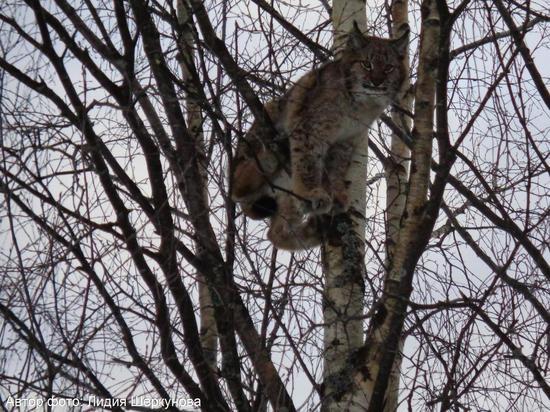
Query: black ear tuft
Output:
(400,43)
(356,39)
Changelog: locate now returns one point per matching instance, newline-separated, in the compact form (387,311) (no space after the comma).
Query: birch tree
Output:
(129,279)
(343,258)
(195,121)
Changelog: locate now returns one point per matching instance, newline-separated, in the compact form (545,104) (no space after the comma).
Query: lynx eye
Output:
(366,65)
(389,68)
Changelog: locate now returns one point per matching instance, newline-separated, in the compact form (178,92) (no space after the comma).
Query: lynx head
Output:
(375,65)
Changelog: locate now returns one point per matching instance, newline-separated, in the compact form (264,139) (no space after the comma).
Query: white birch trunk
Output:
(397,170)
(397,284)
(343,265)
(208,330)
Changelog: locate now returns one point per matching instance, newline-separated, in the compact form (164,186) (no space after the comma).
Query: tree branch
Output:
(525,53)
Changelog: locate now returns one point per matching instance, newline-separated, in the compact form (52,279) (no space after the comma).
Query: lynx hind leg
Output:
(252,174)
(295,238)
(256,164)
(337,164)
(289,230)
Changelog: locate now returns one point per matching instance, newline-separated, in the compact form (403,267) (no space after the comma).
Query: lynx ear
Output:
(400,43)
(356,39)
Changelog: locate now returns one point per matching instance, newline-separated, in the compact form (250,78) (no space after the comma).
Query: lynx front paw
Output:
(317,201)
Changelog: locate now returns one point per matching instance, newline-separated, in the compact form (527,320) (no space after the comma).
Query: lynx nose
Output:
(377,81)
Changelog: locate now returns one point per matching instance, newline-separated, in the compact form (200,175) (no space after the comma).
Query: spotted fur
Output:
(300,174)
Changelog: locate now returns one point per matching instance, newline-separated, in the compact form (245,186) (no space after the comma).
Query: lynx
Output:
(299,174)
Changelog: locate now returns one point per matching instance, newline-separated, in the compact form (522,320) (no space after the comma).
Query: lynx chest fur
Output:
(319,116)
(330,100)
